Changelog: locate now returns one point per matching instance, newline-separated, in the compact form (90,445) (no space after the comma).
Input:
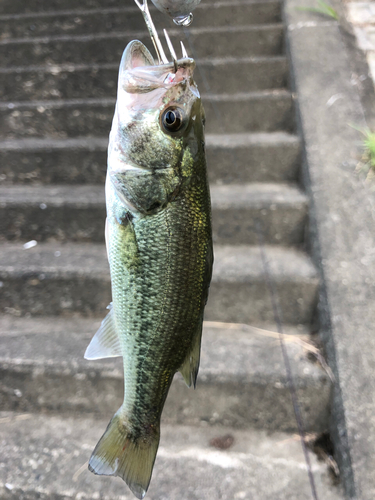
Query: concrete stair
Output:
(254,40)
(47,82)
(231,158)
(247,388)
(56,279)
(234,437)
(257,466)
(272,111)
(126,17)
(78,213)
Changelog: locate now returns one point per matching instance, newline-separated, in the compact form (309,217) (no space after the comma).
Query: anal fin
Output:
(189,368)
(105,343)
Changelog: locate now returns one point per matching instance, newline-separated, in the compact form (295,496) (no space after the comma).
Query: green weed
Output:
(323,8)
(367,164)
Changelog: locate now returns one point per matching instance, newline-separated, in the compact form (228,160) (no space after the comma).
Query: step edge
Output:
(141,33)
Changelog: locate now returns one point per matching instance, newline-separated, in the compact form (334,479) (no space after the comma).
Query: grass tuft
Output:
(367,164)
(323,8)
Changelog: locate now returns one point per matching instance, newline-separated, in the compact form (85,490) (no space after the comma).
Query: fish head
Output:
(158,109)
(158,121)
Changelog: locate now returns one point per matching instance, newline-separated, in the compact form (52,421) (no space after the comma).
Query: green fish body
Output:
(159,245)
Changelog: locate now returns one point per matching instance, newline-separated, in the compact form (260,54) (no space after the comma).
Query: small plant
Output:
(323,8)
(367,163)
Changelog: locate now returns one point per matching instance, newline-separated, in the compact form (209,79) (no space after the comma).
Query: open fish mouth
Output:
(162,58)
(150,76)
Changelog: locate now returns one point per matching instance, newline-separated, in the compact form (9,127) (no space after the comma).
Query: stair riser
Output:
(261,11)
(244,43)
(53,166)
(284,224)
(297,301)
(267,114)
(96,83)
(253,163)
(48,294)
(272,162)
(250,403)
(131,20)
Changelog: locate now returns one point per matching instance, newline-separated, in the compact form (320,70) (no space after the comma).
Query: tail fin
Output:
(119,453)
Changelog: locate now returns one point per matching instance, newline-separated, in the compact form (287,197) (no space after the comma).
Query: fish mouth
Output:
(139,74)
(162,59)
(138,71)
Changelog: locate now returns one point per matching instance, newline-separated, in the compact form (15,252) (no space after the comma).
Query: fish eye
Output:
(172,119)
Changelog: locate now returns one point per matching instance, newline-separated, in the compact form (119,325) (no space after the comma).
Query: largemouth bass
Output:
(159,245)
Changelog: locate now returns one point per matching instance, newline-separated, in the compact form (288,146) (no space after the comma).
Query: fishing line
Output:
(206,83)
(291,385)
(274,296)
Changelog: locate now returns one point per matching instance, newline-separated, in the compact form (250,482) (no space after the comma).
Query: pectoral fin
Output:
(189,368)
(105,343)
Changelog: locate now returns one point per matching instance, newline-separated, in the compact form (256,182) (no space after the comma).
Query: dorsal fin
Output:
(105,343)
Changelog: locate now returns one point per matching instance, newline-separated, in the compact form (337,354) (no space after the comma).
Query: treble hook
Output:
(153,33)
(171,50)
(184,53)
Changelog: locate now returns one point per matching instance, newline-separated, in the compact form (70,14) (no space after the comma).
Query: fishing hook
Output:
(153,33)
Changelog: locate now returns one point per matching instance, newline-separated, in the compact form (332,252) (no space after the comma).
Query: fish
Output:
(159,246)
(178,10)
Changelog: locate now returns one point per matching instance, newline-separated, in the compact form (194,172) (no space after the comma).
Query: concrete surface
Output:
(71,81)
(362,17)
(74,278)
(271,110)
(242,380)
(249,40)
(344,239)
(77,213)
(232,158)
(258,466)
(43,369)
(263,11)
(125,17)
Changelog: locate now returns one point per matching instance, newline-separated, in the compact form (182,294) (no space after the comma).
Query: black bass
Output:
(159,245)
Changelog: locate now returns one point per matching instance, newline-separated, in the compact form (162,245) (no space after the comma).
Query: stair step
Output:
(266,111)
(259,465)
(257,157)
(226,75)
(243,41)
(246,388)
(55,279)
(263,10)
(129,18)
(77,213)
(262,157)
(281,209)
